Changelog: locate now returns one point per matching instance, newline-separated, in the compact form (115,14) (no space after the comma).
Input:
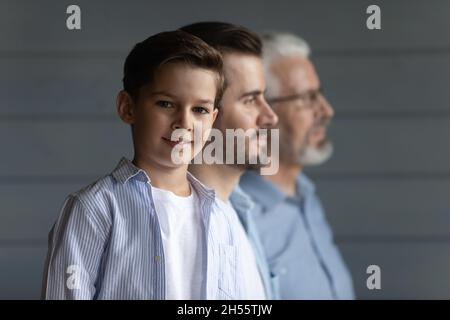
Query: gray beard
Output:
(313,156)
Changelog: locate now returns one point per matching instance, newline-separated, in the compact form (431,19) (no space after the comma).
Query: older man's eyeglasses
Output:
(307,99)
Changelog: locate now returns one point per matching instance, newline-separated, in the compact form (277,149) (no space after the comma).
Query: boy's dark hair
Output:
(226,37)
(149,55)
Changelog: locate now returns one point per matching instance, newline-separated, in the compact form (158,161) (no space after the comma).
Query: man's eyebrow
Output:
(252,93)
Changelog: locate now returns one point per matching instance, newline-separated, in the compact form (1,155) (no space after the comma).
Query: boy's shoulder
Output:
(96,199)
(105,189)
(96,190)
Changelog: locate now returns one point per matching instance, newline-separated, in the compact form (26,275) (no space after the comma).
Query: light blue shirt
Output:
(243,206)
(298,241)
(107,244)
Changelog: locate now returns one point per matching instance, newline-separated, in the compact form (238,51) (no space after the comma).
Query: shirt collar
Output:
(305,186)
(242,204)
(200,187)
(241,200)
(126,170)
(261,190)
(269,195)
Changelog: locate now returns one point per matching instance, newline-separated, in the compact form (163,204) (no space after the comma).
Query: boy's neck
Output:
(220,177)
(166,178)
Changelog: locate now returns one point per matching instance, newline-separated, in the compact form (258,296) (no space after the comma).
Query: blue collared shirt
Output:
(298,241)
(243,205)
(107,244)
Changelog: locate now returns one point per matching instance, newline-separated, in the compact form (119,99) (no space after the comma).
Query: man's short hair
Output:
(227,37)
(148,56)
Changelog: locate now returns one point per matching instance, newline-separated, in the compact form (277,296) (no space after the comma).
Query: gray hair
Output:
(277,45)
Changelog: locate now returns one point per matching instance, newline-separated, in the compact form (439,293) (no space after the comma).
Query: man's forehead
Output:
(241,64)
(295,72)
(245,71)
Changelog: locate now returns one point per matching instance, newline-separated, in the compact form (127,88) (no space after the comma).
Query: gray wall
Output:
(385,190)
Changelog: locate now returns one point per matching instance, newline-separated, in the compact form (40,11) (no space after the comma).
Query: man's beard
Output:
(313,156)
(316,155)
(252,161)
(308,155)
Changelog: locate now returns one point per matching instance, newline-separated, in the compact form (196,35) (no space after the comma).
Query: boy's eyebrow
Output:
(164,93)
(252,93)
(206,101)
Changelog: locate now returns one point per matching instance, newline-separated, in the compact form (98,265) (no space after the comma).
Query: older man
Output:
(295,234)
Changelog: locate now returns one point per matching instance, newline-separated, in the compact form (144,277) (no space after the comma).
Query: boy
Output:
(149,229)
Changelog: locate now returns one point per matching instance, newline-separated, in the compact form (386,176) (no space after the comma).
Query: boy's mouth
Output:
(180,141)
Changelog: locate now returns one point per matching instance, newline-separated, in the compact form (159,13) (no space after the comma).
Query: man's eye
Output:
(250,100)
(200,110)
(164,104)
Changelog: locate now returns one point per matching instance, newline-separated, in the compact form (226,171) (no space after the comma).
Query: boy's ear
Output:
(125,107)
(215,113)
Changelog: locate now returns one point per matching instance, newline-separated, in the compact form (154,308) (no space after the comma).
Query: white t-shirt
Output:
(254,287)
(181,229)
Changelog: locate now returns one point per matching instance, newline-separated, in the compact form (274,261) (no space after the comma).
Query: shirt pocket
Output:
(227,271)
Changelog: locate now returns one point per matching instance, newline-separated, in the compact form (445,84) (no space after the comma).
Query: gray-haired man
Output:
(295,234)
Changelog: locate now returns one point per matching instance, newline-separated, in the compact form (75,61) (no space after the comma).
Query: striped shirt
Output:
(107,243)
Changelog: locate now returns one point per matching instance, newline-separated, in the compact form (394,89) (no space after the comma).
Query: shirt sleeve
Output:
(76,246)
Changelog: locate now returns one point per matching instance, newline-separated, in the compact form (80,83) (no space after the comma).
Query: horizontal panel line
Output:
(39,242)
(362,239)
(402,176)
(51,117)
(340,239)
(381,52)
(60,179)
(330,52)
(340,115)
(63,54)
(391,114)
(349,176)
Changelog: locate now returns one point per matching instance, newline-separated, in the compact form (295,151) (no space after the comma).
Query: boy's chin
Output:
(180,160)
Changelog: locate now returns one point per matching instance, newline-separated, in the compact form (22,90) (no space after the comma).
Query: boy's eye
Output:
(200,110)
(164,104)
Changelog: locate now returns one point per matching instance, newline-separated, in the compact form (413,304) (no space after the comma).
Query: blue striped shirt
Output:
(107,244)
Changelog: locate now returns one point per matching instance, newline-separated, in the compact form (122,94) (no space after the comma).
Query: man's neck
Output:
(286,178)
(222,178)
(166,178)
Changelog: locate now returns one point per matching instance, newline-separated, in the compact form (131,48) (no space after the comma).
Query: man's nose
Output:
(267,117)
(325,110)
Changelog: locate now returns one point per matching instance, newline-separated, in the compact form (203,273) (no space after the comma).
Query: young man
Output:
(149,230)
(296,236)
(242,107)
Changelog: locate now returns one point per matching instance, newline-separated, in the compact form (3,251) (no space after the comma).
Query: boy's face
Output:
(180,97)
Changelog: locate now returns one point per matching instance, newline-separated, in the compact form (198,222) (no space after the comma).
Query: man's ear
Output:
(125,107)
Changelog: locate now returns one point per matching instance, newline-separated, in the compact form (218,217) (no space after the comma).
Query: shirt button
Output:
(157,258)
